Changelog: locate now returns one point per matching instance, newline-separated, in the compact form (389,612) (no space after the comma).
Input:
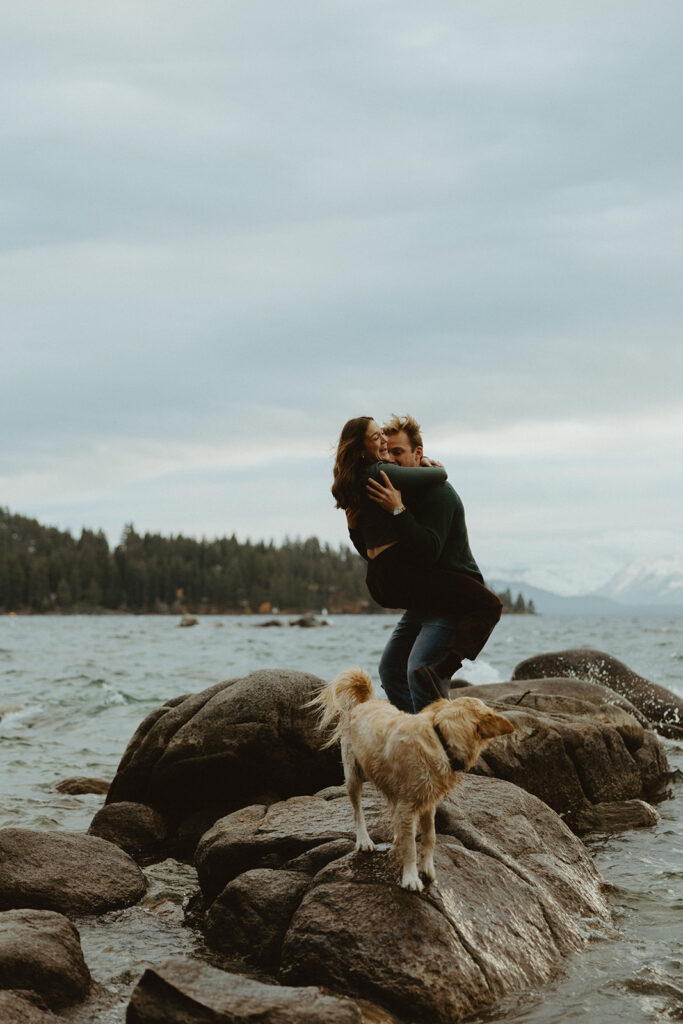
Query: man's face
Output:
(400,451)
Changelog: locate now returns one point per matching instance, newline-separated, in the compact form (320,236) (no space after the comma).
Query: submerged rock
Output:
(40,951)
(515,892)
(244,741)
(576,744)
(66,872)
(194,993)
(616,817)
(662,708)
(80,784)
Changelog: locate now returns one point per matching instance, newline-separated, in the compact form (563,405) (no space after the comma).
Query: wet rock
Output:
(65,871)
(188,620)
(575,744)
(661,707)
(516,891)
(171,888)
(135,828)
(269,623)
(253,741)
(80,784)
(244,741)
(308,622)
(663,984)
(19,1006)
(616,817)
(251,915)
(194,993)
(41,951)
(281,835)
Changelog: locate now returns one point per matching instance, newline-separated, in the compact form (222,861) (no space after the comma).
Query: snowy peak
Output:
(648,581)
(644,585)
(566,580)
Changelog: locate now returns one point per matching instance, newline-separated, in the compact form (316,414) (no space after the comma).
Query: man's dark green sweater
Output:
(432,530)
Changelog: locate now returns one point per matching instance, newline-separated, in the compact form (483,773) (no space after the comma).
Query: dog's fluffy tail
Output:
(335,701)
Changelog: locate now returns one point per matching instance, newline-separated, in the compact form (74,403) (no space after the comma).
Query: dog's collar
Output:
(456,764)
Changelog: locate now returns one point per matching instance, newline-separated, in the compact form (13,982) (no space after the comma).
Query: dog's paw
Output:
(365,845)
(428,870)
(412,882)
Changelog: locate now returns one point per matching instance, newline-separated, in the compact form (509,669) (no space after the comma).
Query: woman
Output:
(394,578)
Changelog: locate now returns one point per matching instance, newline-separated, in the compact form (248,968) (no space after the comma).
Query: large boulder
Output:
(662,708)
(516,891)
(576,744)
(244,741)
(281,835)
(40,951)
(66,872)
(192,992)
(253,740)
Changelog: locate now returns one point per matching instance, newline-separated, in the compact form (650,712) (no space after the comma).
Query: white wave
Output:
(15,719)
(479,672)
(112,695)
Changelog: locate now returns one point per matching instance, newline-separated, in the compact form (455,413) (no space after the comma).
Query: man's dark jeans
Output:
(424,636)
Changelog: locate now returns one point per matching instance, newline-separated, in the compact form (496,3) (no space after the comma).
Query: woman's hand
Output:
(424,461)
(386,496)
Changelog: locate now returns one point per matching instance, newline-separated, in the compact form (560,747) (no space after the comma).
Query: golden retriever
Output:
(413,760)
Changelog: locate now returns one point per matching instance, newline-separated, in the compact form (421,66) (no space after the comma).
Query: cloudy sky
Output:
(231,225)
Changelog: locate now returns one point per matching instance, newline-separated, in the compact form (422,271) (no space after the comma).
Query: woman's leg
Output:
(478,610)
(388,581)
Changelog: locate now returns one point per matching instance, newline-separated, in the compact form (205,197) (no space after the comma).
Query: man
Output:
(429,643)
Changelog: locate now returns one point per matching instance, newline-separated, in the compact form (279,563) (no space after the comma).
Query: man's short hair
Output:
(409,425)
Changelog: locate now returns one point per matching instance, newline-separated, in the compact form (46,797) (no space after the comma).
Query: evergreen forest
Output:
(43,569)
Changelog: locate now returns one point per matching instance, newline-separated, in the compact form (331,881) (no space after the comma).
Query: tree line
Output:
(43,569)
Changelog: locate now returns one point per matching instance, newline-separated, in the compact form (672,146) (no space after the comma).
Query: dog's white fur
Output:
(403,756)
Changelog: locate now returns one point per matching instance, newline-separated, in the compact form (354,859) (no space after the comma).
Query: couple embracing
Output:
(409,525)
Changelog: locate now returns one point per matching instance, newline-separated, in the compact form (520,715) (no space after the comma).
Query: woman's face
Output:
(375,443)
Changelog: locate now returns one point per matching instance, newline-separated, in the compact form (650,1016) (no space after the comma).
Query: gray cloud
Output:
(238,225)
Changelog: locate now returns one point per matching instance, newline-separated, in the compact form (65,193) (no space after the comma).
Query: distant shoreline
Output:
(108,612)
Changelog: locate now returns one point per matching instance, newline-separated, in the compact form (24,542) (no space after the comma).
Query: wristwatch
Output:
(397,511)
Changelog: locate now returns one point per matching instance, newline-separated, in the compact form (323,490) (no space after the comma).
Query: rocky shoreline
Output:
(298,925)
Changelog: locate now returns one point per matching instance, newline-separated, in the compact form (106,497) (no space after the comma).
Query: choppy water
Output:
(74,689)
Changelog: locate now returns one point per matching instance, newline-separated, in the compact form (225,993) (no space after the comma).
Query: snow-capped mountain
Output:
(644,585)
(656,581)
(566,580)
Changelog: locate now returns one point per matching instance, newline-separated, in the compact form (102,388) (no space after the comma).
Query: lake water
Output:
(74,689)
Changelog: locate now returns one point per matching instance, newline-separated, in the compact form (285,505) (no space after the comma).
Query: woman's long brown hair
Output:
(346,486)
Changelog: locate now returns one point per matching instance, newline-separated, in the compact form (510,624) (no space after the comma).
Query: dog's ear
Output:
(490,725)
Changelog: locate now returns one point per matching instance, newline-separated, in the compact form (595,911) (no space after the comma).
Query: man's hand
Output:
(386,496)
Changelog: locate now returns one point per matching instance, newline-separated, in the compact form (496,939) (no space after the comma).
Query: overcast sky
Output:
(230,226)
